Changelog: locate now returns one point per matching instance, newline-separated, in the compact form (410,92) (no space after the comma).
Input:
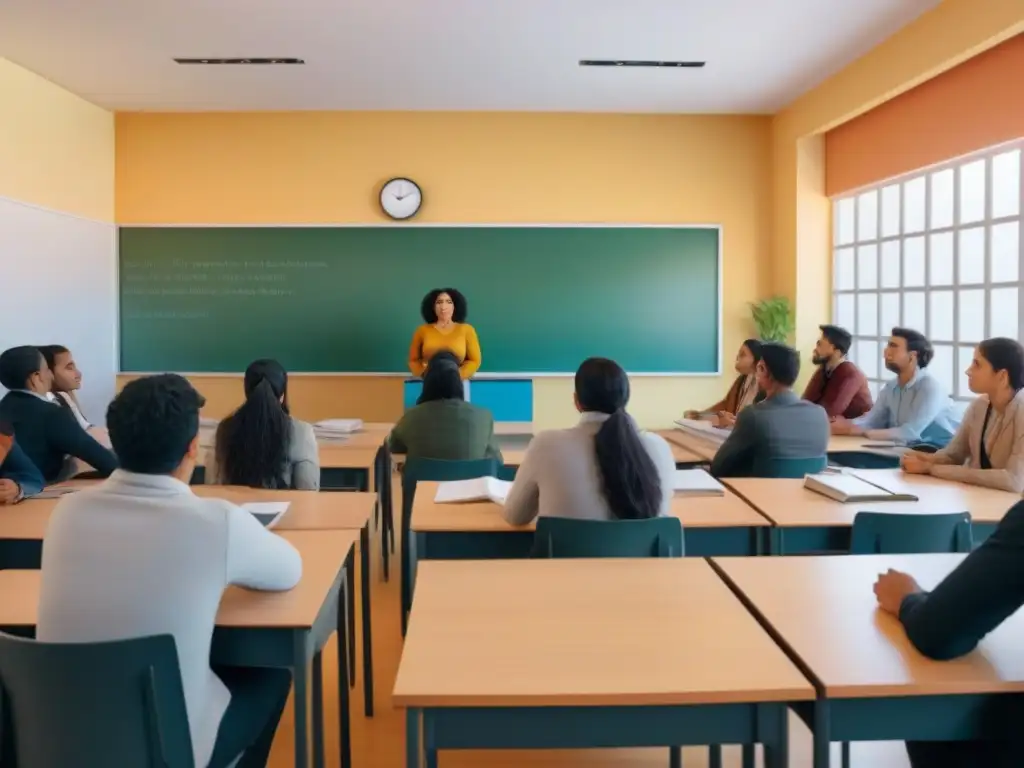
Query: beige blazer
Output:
(1004,440)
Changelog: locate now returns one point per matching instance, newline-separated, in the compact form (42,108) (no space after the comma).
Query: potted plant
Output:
(773,319)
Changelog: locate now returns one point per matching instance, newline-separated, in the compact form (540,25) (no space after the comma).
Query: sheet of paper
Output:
(697,481)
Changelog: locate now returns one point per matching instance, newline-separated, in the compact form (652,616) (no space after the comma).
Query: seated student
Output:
(743,392)
(988,448)
(913,407)
(142,555)
(67,380)
(949,622)
(838,386)
(260,445)
(46,432)
(19,477)
(442,425)
(604,468)
(781,427)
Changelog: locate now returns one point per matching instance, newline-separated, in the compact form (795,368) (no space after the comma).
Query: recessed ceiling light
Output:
(635,63)
(257,60)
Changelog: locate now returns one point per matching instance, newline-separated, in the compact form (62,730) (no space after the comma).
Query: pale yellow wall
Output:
(275,168)
(56,149)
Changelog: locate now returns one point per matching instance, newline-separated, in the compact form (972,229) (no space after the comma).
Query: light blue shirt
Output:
(921,411)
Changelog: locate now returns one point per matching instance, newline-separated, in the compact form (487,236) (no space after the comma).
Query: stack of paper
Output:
(336,429)
(697,482)
(703,430)
(478,489)
(267,512)
(848,488)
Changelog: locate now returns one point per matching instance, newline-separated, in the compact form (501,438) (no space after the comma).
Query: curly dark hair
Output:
(427,305)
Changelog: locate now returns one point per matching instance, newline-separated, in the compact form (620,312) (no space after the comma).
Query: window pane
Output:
(890,313)
(1006,184)
(971,256)
(913,310)
(971,315)
(941,317)
(890,268)
(972,192)
(891,210)
(942,366)
(1006,252)
(845,218)
(942,199)
(873,387)
(867,216)
(867,266)
(846,313)
(913,205)
(1003,313)
(913,261)
(867,314)
(866,355)
(941,267)
(843,278)
(964,356)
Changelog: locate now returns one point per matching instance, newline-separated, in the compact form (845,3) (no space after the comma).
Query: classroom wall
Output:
(322,168)
(978,104)
(57,240)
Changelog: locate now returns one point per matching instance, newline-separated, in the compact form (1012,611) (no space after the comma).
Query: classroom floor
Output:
(379,742)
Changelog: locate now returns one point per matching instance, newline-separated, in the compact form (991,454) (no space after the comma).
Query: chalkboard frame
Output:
(718,228)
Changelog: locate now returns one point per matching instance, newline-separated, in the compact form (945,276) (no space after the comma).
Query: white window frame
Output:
(959,390)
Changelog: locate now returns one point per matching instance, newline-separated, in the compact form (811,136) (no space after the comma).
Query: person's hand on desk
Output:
(843,426)
(10,492)
(725,420)
(892,588)
(914,463)
(691,415)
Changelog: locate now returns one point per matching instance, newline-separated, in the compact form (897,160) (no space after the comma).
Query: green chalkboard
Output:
(346,299)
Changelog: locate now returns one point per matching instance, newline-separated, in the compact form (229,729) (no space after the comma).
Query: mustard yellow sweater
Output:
(460,340)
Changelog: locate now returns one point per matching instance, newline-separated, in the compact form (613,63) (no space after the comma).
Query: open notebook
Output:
(849,488)
(697,482)
(477,489)
(269,513)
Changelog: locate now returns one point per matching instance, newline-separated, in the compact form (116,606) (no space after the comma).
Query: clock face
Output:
(401,198)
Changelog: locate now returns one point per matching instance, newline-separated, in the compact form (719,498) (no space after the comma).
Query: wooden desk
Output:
(589,653)
(809,522)
(513,453)
(872,684)
(261,629)
(707,449)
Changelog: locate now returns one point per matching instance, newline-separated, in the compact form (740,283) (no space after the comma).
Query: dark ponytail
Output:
(252,444)
(632,487)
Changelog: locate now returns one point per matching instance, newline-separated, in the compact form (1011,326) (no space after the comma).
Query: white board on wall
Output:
(58,285)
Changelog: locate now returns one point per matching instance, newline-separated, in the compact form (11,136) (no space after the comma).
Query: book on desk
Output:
(477,489)
(849,488)
(697,482)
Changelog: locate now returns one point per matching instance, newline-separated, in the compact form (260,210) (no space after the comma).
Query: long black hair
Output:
(442,380)
(631,483)
(253,442)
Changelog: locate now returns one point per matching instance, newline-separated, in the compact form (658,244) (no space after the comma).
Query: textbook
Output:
(697,482)
(847,488)
(477,489)
(336,429)
(269,513)
(703,430)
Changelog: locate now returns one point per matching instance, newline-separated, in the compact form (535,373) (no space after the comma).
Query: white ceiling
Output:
(446,54)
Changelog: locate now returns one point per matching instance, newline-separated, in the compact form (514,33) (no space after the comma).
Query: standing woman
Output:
(444,326)
(260,445)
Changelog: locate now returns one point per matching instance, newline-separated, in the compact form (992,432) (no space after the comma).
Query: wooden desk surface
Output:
(707,449)
(309,510)
(357,452)
(825,610)
(585,632)
(788,504)
(323,555)
(728,511)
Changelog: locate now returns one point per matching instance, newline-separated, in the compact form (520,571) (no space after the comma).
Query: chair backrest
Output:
(416,470)
(893,533)
(117,703)
(789,468)
(571,537)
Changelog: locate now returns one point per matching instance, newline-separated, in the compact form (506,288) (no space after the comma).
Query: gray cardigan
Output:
(559,476)
(1004,441)
(302,471)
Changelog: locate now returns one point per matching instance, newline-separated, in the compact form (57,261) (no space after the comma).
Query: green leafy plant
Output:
(773,318)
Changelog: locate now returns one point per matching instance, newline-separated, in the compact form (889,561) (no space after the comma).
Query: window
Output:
(940,251)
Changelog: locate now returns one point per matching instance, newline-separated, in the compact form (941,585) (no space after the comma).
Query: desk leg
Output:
(350,605)
(715,756)
(675,757)
(344,718)
(318,710)
(364,564)
(301,699)
(412,738)
(749,756)
(822,736)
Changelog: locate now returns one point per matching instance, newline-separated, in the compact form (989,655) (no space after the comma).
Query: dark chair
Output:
(117,703)
(894,533)
(569,537)
(414,471)
(789,468)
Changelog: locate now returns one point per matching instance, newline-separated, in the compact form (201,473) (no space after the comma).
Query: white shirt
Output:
(559,476)
(142,555)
